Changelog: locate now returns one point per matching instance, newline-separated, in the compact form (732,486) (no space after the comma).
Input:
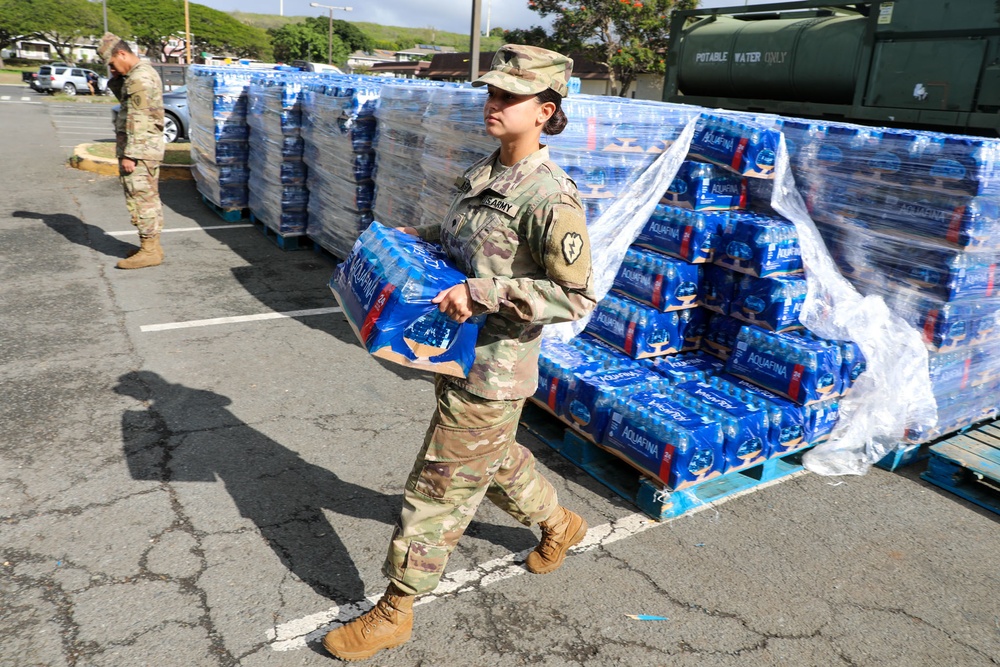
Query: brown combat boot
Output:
(389,623)
(559,533)
(150,253)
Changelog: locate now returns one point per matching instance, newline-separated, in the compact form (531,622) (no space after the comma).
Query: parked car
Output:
(30,78)
(307,66)
(69,80)
(176,120)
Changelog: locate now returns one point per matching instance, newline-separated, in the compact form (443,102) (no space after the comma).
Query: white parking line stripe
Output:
(181,229)
(25,99)
(4,97)
(296,634)
(87,133)
(237,319)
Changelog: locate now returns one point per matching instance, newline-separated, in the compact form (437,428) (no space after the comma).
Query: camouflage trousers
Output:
(469,452)
(142,196)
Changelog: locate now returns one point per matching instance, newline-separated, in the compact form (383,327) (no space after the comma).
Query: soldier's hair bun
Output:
(557,123)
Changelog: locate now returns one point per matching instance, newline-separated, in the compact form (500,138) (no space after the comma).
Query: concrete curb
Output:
(81,159)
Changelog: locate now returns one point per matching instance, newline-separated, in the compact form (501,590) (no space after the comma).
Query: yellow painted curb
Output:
(81,159)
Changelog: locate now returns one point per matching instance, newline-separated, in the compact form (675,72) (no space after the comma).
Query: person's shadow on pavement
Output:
(77,231)
(188,435)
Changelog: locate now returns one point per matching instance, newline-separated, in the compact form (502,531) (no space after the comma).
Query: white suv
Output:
(68,79)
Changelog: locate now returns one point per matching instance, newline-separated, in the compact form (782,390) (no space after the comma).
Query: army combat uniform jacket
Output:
(521,238)
(139,125)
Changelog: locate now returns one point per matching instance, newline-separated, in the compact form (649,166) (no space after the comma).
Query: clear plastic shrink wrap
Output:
(338,126)
(454,138)
(217,103)
(278,196)
(399,146)
(913,217)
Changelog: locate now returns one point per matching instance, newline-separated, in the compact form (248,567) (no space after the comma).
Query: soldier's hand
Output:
(128,165)
(455,302)
(408,230)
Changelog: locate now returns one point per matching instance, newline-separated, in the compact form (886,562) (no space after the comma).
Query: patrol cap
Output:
(108,42)
(528,70)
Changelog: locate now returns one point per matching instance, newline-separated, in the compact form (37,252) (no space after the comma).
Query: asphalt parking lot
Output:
(200,466)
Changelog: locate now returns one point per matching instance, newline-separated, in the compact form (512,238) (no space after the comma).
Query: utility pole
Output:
(105,6)
(489,14)
(187,33)
(329,47)
(477,23)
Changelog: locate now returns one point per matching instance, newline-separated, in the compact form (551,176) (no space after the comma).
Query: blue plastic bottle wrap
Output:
(702,186)
(745,421)
(687,235)
(642,331)
(666,283)
(589,399)
(673,443)
(719,288)
(686,366)
(802,369)
(385,287)
(759,245)
(748,146)
(560,363)
(771,303)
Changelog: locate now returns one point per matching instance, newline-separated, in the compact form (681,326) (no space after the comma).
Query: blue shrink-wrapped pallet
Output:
(278,196)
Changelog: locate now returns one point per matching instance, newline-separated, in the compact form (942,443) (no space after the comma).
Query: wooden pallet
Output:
(968,465)
(227,214)
(659,502)
(283,241)
(904,456)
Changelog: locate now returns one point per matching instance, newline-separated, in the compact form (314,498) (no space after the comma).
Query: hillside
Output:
(404,37)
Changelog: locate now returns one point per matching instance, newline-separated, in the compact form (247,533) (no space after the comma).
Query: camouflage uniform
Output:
(139,136)
(521,237)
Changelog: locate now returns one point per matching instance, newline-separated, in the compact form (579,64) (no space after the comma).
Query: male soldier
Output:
(139,145)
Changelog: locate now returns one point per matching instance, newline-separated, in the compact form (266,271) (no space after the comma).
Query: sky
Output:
(447,15)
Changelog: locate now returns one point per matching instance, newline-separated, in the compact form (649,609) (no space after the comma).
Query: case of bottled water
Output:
(688,235)
(666,283)
(560,363)
(589,398)
(746,145)
(385,287)
(773,303)
(664,438)
(642,331)
(702,186)
(686,366)
(759,245)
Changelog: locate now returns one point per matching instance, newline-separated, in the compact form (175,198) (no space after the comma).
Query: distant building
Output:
(81,50)
(594,77)
(407,63)
(366,59)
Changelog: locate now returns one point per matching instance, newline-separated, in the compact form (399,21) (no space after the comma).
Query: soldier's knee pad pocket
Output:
(460,461)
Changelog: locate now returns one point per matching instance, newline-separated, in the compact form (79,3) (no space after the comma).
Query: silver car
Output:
(69,80)
(176,120)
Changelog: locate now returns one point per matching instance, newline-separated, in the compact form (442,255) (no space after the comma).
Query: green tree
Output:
(628,36)
(154,22)
(57,22)
(352,37)
(297,41)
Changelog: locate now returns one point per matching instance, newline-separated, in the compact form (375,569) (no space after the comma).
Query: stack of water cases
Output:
(610,141)
(217,101)
(915,218)
(399,147)
(644,390)
(277,187)
(454,139)
(338,127)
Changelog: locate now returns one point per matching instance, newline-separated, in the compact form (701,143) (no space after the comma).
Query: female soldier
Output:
(517,229)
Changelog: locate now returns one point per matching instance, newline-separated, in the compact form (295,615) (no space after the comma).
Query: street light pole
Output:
(477,26)
(105,6)
(187,34)
(329,47)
